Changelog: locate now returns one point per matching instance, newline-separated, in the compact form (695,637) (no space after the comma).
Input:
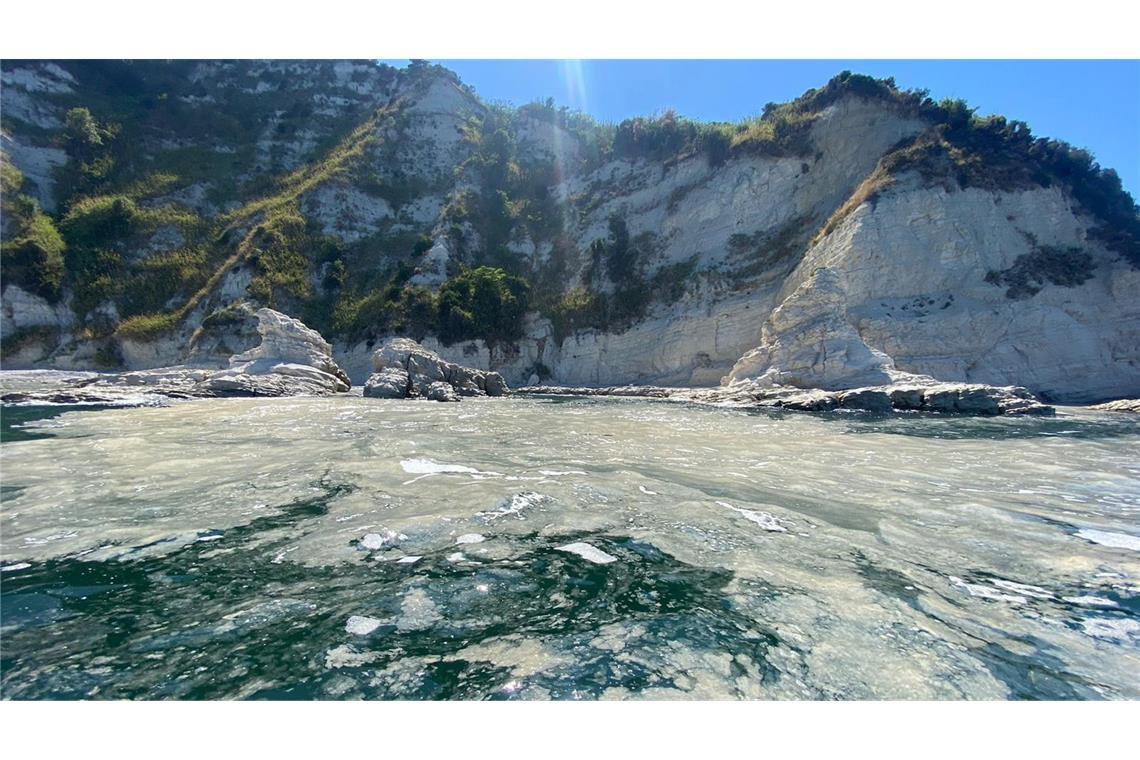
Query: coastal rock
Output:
(291,360)
(948,398)
(397,352)
(440,391)
(287,341)
(824,269)
(404,368)
(906,397)
(280,380)
(969,399)
(390,382)
(467,381)
(801,401)
(1121,405)
(870,399)
(495,384)
(222,334)
(962,284)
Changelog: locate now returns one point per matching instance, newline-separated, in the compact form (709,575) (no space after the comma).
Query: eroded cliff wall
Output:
(856,232)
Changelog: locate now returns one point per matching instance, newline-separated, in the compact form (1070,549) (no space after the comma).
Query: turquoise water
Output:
(252,549)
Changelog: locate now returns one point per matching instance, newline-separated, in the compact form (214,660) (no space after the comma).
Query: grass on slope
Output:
(272,211)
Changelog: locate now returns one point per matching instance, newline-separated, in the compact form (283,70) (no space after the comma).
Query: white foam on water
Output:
(346,657)
(359,625)
(375,541)
(1023,589)
(263,614)
(201,467)
(984,592)
(346,518)
(763,519)
(417,612)
(645,490)
(408,560)
(513,505)
(1107,538)
(1090,601)
(562,472)
(587,552)
(213,537)
(471,538)
(12,568)
(1111,628)
(524,656)
(428,467)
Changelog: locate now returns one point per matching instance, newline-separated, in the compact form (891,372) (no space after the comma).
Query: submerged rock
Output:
(402,368)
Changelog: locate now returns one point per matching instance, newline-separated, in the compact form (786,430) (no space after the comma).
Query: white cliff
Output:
(781,280)
(908,280)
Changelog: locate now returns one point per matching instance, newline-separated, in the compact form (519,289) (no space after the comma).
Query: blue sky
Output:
(1092,104)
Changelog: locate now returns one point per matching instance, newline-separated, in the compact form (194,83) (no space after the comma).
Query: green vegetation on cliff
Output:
(181,173)
(32,251)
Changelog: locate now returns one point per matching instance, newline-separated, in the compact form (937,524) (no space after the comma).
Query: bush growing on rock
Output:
(485,303)
(89,147)
(1065,267)
(101,221)
(34,257)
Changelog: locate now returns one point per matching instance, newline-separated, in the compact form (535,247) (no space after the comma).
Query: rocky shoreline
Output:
(294,360)
(290,360)
(1131,405)
(946,398)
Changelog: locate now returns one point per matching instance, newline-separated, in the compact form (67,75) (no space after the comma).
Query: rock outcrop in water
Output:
(291,360)
(946,398)
(1123,405)
(405,369)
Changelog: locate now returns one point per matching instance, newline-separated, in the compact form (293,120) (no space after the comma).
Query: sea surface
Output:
(586,548)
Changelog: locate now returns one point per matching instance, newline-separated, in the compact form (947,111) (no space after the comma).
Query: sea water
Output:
(588,548)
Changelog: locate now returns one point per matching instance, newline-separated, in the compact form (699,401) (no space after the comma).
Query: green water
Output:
(14,419)
(217,550)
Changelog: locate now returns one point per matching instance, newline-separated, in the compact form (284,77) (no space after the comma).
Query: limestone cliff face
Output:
(944,283)
(326,189)
(694,210)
